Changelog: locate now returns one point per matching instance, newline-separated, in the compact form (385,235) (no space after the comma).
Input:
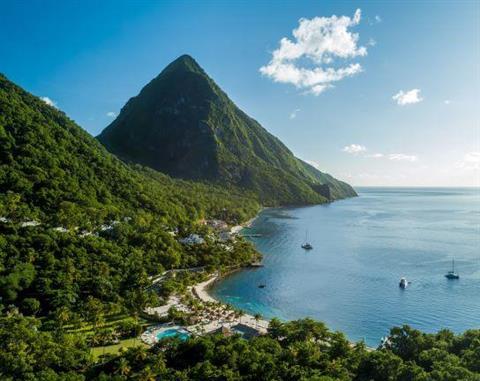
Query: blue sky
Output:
(91,58)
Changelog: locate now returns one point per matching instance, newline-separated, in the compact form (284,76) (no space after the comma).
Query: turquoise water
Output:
(173,332)
(362,247)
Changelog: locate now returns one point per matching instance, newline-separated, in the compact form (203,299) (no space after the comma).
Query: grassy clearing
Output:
(110,321)
(115,349)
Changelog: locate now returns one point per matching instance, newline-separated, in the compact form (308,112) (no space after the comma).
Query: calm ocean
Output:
(362,247)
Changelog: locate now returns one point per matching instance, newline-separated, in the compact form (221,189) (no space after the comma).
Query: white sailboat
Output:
(306,245)
(452,274)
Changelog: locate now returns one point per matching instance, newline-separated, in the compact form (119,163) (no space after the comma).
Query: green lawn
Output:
(114,349)
(110,321)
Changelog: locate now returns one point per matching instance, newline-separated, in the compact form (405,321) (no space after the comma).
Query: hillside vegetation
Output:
(295,351)
(76,223)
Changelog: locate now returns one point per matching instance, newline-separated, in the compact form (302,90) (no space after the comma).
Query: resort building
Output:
(29,223)
(192,239)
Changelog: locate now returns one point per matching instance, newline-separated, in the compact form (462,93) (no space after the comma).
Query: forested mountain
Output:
(77,223)
(183,124)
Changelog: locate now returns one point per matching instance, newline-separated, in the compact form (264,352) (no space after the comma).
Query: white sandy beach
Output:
(201,291)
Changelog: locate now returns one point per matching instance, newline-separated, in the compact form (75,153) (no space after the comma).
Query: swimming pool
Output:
(173,332)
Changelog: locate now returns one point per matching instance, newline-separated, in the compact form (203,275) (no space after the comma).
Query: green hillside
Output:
(77,223)
(183,124)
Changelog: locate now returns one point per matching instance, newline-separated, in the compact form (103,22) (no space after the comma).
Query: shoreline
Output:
(247,224)
(201,291)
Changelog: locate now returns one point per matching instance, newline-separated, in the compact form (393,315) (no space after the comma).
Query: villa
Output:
(224,236)
(192,239)
(217,224)
(245,331)
(29,223)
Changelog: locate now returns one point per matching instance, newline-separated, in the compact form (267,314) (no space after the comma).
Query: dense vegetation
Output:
(183,124)
(302,350)
(77,223)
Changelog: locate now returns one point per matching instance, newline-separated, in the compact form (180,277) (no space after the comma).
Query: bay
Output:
(362,247)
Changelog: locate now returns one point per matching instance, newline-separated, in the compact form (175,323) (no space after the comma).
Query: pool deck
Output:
(150,336)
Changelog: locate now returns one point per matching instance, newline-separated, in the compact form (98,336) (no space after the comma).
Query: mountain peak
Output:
(185,62)
(183,124)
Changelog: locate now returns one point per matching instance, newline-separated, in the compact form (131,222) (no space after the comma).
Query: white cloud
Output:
(407,97)
(318,42)
(472,157)
(111,114)
(471,161)
(447,101)
(378,19)
(402,157)
(49,102)
(354,149)
(359,150)
(371,42)
(376,155)
(294,113)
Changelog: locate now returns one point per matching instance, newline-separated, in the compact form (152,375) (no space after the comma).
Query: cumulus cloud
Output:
(359,150)
(407,97)
(49,101)
(471,161)
(294,113)
(375,155)
(472,157)
(402,157)
(354,149)
(308,61)
(111,114)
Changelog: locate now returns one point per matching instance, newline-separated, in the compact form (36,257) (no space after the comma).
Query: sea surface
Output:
(361,248)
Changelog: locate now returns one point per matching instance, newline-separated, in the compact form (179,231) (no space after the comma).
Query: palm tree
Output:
(147,375)
(63,316)
(123,367)
(139,353)
(240,314)
(257,318)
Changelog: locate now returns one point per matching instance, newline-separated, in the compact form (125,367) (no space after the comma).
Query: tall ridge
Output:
(183,124)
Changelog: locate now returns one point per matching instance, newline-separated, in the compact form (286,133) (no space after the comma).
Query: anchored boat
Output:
(306,245)
(452,274)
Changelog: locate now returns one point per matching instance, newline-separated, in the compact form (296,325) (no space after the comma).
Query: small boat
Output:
(452,274)
(306,245)
(262,285)
(403,283)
